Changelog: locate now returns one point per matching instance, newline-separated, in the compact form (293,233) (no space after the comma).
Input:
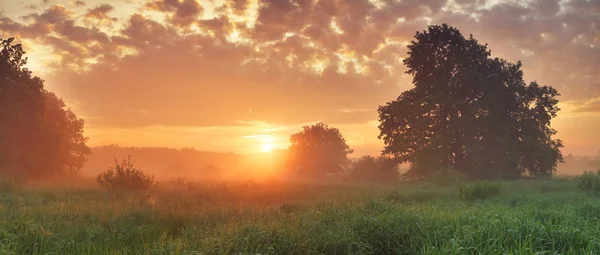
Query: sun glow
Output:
(267,147)
(263,143)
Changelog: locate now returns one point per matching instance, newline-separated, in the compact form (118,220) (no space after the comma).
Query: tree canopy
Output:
(318,150)
(469,112)
(38,134)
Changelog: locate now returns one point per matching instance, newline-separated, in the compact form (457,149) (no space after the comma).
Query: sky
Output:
(241,76)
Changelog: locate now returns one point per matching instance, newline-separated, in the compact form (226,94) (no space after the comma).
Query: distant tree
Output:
(369,168)
(469,112)
(38,134)
(318,150)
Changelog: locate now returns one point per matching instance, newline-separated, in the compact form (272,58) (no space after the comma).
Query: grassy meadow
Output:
(550,216)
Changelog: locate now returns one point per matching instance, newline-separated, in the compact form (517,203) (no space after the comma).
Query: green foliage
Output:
(318,150)
(446,178)
(125,176)
(469,112)
(479,190)
(40,136)
(369,168)
(589,181)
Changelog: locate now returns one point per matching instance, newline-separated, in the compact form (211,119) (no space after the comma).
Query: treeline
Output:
(171,163)
(576,165)
(165,162)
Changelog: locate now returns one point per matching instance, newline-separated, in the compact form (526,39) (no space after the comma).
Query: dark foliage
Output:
(125,176)
(318,150)
(39,136)
(469,112)
(369,168)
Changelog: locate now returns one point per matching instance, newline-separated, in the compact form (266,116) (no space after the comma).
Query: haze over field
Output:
(168,163)
(241,76)
(299,127)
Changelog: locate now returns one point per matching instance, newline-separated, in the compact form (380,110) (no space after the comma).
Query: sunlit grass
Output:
(529,217)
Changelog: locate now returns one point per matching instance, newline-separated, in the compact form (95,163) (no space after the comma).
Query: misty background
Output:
(170,163)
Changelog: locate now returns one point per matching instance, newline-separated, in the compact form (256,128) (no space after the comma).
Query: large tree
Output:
(469,112)
(318,150)
(38,134)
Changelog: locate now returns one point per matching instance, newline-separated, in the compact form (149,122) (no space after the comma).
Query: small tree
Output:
(125,176)
(369,168)
(318,150)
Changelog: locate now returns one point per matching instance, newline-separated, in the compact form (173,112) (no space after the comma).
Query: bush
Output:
(589,181)
(369,168)
(125,176)
(480,190)
(446,178)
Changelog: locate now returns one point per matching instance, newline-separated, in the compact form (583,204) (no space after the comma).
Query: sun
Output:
(267,147)
(263,142)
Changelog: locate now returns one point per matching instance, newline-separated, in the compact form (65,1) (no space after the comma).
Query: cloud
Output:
(41,25)
(79,3)
(141,32)
(176,63)
(183,12)
(31,7)
(53,15)
(100,13)
(80,34)
(558,47)
(56,27)
(592,105)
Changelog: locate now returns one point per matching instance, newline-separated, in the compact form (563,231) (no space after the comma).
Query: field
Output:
(549,216)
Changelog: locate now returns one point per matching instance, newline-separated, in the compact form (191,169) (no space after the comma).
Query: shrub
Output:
(479,190)
(589,181)
(446,178)
(369,168)
(125,176)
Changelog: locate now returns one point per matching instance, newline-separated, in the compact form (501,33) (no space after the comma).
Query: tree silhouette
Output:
(318,150)
(469,112)
(38,135)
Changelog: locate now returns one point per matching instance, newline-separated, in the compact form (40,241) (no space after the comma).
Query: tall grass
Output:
(528,217)
(590,182)
(479,190)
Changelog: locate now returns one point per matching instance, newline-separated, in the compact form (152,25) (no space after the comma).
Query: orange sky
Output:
(243,75)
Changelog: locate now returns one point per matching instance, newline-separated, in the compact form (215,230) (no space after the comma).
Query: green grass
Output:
(528,217)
